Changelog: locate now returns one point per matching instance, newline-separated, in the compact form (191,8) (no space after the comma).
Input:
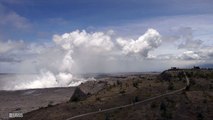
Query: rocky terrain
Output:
(194,103)
(27,100)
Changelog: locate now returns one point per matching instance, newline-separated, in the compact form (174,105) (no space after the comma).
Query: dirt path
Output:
(132,104)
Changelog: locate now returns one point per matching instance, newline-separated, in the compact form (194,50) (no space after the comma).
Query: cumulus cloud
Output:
(102,51)
(83,52)
(95,42)
(145,43)
(202,54)
(77,51)
(190,55)
(82,49)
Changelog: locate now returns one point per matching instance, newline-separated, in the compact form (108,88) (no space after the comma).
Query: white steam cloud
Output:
(150,40)
(47,79)
(80,50)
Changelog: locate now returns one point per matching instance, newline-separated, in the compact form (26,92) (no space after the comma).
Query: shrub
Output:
(180,75)
(49,105)
(153,105)
(171,86)
(136,99)
(135,84)
(74,99)
(107,116)
(127,85)
(122,92)
(167,115)
(166,76)
(98,99)
(89,94)
(118,82)
(17,109)
(163,106)
(200,116)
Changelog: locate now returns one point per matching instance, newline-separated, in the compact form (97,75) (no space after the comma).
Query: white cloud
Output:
(96,42)
(145,43)
(83,52)
(206,52)
(170,27)
(190,55)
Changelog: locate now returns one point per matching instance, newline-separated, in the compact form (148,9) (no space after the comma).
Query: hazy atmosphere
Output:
(58,39)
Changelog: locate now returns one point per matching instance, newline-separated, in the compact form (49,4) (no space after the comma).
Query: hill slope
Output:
(196,103)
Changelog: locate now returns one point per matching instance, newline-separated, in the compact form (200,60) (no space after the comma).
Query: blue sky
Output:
(28,27)
(47,17)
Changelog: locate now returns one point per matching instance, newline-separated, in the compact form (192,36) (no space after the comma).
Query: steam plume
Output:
(80,50)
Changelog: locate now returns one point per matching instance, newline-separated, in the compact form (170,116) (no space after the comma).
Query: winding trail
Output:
(132,104)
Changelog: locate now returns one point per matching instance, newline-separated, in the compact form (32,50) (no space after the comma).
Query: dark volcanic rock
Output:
(78,95)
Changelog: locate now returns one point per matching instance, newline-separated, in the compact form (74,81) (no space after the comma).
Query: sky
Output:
(104,35)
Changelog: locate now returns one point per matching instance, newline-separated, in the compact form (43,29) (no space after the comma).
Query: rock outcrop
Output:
(78,95)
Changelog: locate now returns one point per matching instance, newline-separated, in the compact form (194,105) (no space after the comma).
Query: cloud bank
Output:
(58,63)
(77,52)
